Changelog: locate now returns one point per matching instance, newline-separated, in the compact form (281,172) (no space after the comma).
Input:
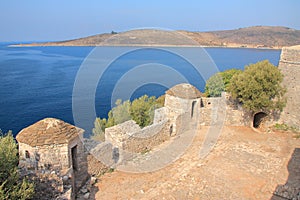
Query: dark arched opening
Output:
(27,154)
(193,107)
(258,119)
(171,130)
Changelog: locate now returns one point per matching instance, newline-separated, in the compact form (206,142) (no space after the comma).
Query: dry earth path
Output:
(243,165)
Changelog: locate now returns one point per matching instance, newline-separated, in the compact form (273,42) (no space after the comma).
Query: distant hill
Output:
(254,37)
(257,36)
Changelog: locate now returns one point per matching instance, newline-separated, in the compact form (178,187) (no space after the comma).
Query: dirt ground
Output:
(245,164)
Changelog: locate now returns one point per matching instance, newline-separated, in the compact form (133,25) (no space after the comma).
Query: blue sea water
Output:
(37,82)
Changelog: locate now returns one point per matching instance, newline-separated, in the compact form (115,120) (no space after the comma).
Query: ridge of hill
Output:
(250,37)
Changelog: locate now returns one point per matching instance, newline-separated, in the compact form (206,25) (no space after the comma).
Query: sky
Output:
(52,20)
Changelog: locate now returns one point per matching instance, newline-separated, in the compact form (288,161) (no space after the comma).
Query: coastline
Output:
(242,46)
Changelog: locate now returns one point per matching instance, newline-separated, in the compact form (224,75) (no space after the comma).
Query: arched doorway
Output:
(258,119)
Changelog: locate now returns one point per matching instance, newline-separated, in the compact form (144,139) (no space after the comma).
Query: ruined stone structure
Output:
(130,137)
(223,110)
(184,104)
(289,65)
(53,145)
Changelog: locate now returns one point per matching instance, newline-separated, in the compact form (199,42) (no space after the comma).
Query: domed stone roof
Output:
(184,91)
(48,131)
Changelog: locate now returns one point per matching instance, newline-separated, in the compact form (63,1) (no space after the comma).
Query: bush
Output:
(259,87)
(141,110)
(285,127)
(219,82)
(11,186)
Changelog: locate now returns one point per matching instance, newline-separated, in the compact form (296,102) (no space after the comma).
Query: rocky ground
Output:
(245,164)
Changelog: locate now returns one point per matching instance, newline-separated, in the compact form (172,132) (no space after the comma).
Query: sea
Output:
(40,82)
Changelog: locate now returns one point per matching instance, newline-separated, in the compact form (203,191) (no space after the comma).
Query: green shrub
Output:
(259,87)
(11,186)
(140,110)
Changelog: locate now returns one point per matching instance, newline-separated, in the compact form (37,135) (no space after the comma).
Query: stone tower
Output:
(52,144)
(289,65)
(183,103)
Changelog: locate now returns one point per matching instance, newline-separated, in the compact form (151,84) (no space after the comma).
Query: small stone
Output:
(86,196)
(83,190)
(89,187)
(93,180)
(65,178)
(53,172)
(67,186)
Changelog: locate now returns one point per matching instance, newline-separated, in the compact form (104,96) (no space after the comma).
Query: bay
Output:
(37,82)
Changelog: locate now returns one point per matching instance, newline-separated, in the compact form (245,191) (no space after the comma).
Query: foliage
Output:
(214,86)
(113,32)
(120,113)
(11,187)
(141,110)
(285,127)
(98,130)
(160,101)
(258,87)
(219,82)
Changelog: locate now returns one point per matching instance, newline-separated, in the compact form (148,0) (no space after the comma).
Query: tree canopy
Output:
(259,87)
(219,82)
(11,187)
(140,110)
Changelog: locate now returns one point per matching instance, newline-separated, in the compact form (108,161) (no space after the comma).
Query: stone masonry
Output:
(184,104)
(53,145)
(290,67)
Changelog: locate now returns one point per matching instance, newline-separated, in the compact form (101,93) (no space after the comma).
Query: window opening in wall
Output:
(201,103)
(27,155)
(171,129)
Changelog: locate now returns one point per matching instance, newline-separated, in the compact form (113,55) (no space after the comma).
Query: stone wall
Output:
(160,114)
(119,133)
(148,137)
(100,158)
(223,110)
(289,65)
(44,157)
(81,173)
(207,114)
(57,157)
(182,122)
(177,106)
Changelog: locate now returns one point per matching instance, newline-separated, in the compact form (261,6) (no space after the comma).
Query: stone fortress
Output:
(289,65)
(54,146)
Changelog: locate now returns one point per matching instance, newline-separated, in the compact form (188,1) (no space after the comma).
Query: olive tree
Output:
(219,82)
(259,87)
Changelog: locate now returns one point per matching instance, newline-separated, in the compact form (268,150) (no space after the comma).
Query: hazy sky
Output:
(40,20)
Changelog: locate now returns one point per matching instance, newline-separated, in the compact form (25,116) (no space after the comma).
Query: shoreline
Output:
(147,45)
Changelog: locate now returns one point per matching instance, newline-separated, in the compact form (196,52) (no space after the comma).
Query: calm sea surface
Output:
(37,82)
